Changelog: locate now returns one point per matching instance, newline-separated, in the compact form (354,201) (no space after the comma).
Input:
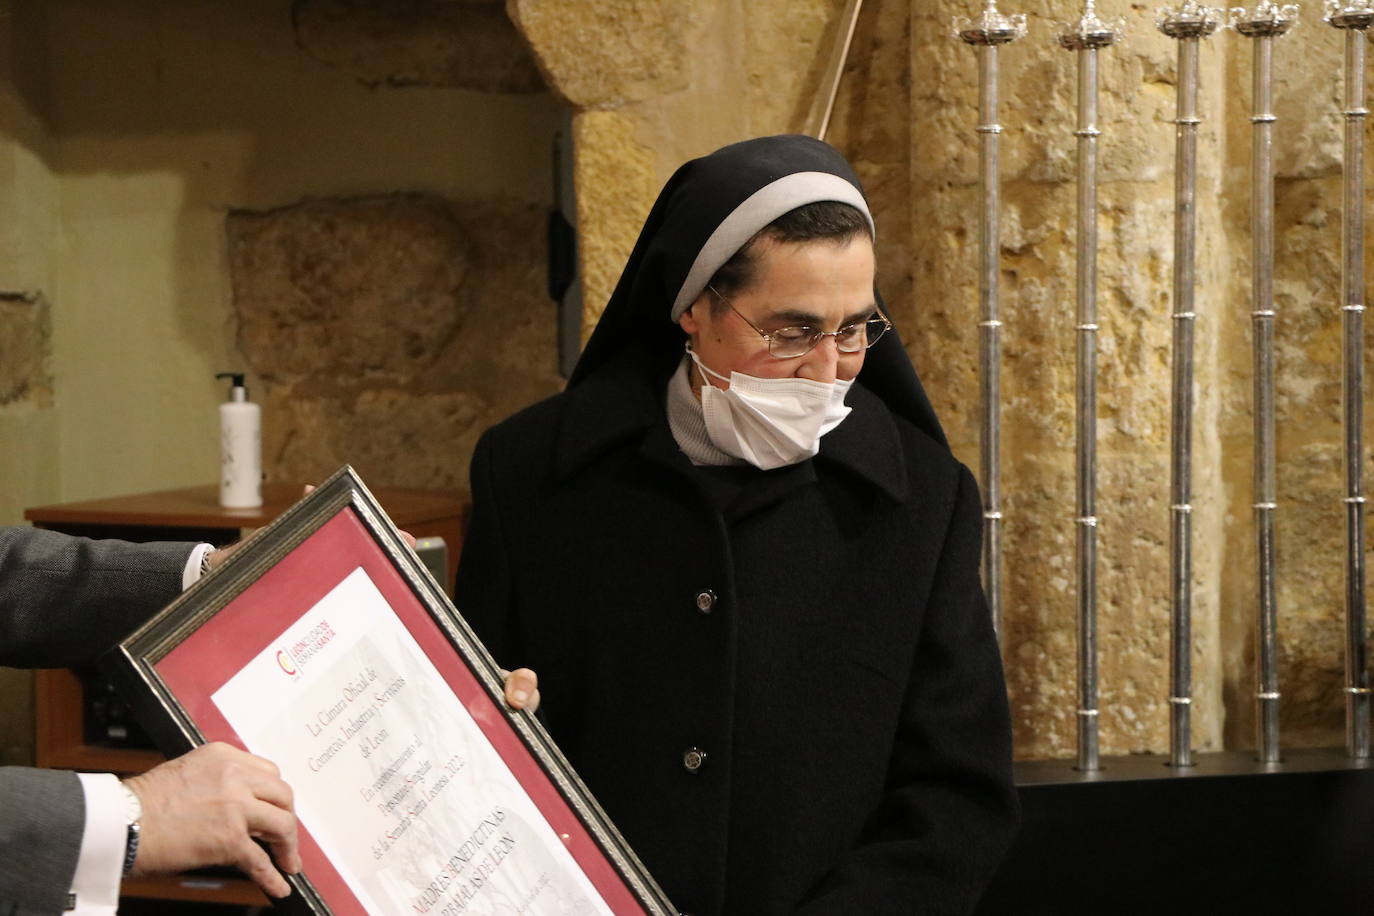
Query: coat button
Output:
(692,759)
(706,599)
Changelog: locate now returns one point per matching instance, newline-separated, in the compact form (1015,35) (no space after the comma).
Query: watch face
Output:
(133,808)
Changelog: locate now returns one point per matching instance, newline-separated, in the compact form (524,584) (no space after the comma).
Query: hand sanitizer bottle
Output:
(240,448)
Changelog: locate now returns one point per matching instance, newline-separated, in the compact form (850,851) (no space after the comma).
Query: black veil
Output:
(699,197)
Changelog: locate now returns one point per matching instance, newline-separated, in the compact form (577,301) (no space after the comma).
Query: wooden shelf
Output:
(196,510)
(59,741)
(191,514)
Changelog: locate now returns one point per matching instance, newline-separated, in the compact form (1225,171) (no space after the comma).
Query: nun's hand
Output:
(522,689)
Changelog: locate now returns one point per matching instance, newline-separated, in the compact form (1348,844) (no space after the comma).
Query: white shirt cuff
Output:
(100,865)
(190,575)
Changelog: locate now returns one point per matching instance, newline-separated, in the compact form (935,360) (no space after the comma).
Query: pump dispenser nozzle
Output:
(238,392)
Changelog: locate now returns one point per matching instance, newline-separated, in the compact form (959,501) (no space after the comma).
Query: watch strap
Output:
(133,809)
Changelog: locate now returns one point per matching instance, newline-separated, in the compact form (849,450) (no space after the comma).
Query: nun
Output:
(742,559)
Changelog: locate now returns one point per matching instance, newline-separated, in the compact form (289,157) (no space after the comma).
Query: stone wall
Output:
(139,137)
(214,108)
(905,117)
(389,330)
(28,427)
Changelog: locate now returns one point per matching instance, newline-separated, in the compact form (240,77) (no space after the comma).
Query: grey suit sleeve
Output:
(42,814)
(64,600)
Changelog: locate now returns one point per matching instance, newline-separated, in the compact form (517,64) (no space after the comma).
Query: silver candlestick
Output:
(1355,18)
(1188,24)
(1089,35)
(987,33)
(1264,23)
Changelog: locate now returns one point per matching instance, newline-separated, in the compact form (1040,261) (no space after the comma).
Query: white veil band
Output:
(757,211)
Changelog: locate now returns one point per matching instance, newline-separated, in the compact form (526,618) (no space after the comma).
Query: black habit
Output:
(783,686)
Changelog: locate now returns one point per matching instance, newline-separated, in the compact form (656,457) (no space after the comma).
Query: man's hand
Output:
(522,689)
(205,807)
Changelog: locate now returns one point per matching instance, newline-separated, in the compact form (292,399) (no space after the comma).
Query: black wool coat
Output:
(817,632)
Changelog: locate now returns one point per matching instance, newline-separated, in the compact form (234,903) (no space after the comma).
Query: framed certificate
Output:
(324,645)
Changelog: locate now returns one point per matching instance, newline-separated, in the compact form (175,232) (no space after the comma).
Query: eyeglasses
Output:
(788,343)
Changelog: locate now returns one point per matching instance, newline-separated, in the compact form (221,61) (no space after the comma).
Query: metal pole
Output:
(1088,36)
(1263,24)
(1187,24)
(1354,18)
(818,121)
(990,30)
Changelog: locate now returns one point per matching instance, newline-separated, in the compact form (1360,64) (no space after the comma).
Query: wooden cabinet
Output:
(191,514)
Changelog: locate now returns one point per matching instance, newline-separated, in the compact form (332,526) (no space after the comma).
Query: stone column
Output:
(656,82)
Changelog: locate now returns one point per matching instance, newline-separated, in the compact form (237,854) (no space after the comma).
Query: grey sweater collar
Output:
(688,423)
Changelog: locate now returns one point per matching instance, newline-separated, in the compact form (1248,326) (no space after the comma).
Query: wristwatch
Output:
(133,818)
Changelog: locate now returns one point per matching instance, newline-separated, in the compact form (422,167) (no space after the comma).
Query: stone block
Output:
(391,331)
(464,45)
(610,52)
(25,349)
(365,287)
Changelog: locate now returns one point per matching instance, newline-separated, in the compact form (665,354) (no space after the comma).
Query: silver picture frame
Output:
(132,666)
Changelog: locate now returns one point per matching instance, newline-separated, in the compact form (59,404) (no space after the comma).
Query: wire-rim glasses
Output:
(791,342)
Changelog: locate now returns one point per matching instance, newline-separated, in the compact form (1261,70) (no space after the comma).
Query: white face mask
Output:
(771,422)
